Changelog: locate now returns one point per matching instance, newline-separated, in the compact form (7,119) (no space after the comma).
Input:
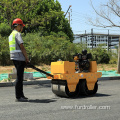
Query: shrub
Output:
(4,52)
(100,55)
(45,49)
(5,29)
(113,58)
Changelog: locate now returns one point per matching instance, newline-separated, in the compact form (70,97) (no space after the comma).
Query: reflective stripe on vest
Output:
(12,43)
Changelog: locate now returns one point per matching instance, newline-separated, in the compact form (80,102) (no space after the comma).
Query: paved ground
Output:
(44,105)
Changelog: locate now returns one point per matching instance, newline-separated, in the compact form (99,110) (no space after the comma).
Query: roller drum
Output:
(59,90)
(59,87)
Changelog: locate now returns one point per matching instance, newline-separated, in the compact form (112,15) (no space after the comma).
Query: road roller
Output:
(71,79)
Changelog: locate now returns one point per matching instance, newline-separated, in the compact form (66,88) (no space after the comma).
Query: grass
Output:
(8,69)
(106,67)
(103,67)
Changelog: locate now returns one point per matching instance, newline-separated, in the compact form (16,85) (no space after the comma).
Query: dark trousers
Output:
(19,65)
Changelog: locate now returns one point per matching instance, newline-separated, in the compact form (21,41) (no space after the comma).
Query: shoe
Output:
(24,97)
(21,100)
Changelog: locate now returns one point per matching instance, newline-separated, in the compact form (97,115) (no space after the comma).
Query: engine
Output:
(82,63)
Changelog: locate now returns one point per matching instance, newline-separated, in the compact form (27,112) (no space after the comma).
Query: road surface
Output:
(44,105)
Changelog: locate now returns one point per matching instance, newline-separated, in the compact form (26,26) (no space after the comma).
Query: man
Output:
(19,57)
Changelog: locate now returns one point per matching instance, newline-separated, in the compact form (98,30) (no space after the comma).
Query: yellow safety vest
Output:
(12,42)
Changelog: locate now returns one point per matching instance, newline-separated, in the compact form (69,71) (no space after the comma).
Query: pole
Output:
(108,40)
(86,39)
(81,39)
(118,64)
(69,17)
(92,37)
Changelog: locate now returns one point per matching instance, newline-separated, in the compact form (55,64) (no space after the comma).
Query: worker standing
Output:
(19,57)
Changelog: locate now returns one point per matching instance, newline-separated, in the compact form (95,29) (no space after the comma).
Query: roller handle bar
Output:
(37,69)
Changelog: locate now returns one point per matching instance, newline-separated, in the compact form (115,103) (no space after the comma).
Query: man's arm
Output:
(24,52)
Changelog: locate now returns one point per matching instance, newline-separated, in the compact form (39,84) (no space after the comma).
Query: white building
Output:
(94,40)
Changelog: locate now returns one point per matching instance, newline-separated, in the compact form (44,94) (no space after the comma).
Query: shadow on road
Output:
(96,95)
(41,101)
(42,86)
(101,95)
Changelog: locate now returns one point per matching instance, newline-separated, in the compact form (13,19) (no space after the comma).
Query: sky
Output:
(80,12)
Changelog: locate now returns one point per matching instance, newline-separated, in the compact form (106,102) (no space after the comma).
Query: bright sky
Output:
(81,11)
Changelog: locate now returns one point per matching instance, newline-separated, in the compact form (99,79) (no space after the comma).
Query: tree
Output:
(38,15)
(108,15)
(109,12)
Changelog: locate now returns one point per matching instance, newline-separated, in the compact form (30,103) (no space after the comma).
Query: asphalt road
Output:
(44,105)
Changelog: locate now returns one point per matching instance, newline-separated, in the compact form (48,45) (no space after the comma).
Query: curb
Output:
(36,82)
(109,78)
(48,81)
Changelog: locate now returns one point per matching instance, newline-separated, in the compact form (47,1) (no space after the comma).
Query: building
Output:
(109,41)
